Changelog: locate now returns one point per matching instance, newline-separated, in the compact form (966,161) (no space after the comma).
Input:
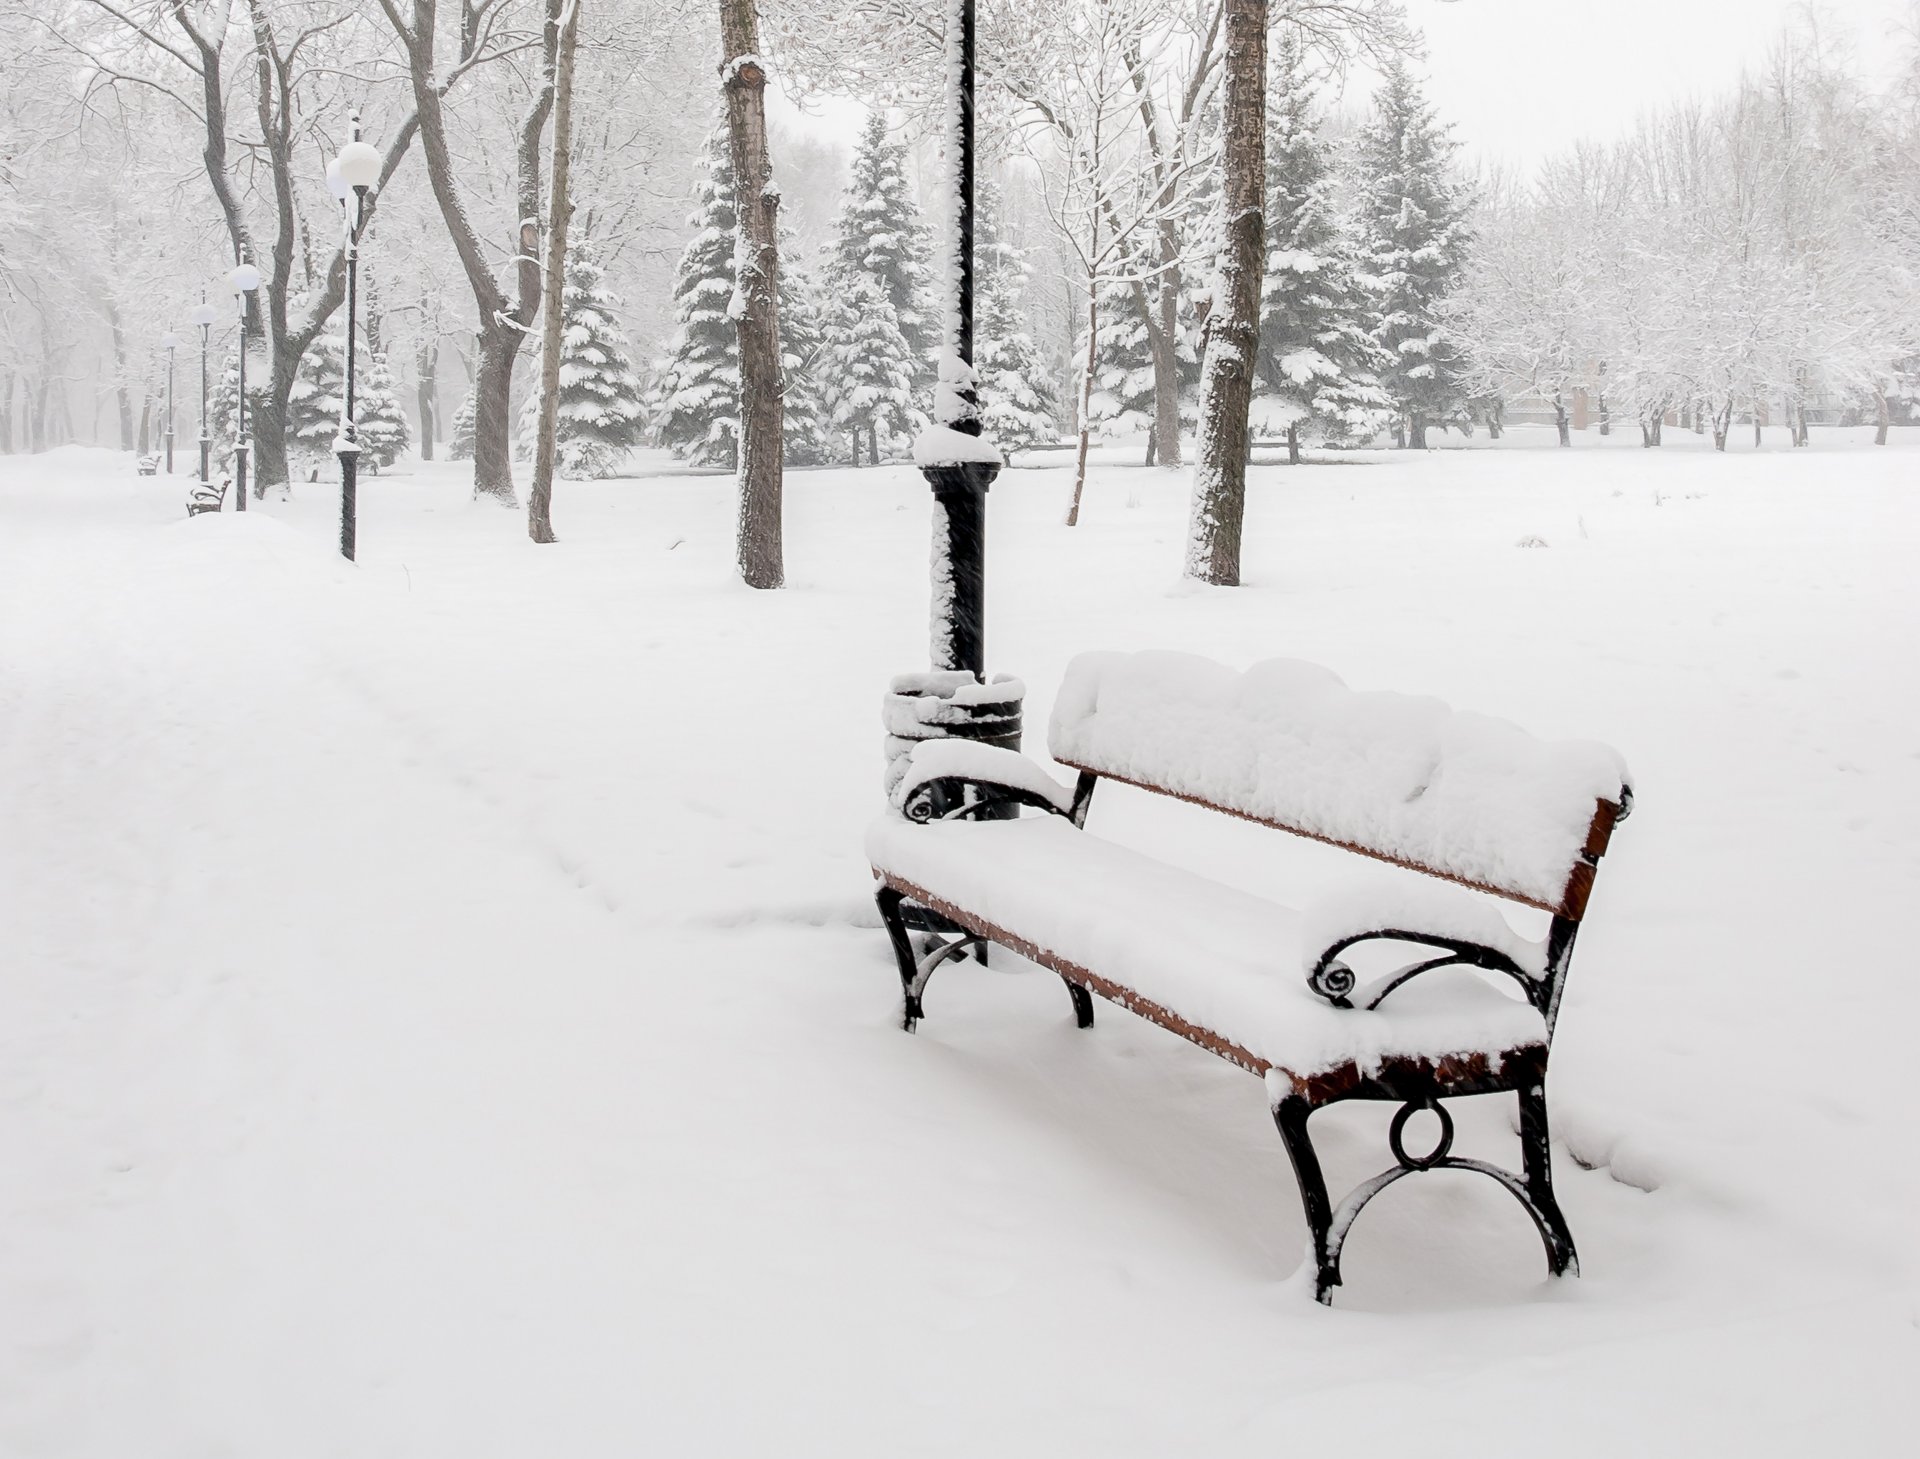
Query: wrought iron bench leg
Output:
(1082,1004)
(888,900)
(1536,1151)
(1290,1118)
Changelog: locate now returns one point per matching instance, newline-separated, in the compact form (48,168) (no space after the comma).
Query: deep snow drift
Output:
(441,1012)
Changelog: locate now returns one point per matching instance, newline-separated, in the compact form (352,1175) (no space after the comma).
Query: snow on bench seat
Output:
(1220,959)
(1397,776)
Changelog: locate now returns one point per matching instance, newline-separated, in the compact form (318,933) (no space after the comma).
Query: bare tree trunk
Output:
(559,210)
(873,444)
(426,392)
(1233,330)
(6,412)
(758,550)
(1293,443)
(1086,399)
(1417,431)
(123,398)
(1560,420)
(1164,341)
(146,422)
(1880,415)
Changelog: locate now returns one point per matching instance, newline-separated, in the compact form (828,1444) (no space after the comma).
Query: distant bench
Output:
(1460,797)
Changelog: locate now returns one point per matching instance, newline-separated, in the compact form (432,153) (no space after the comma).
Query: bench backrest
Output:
(1401,778)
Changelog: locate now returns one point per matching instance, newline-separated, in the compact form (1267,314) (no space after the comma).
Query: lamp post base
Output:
(959,563)
(349,501)
(206,461)
(240,476)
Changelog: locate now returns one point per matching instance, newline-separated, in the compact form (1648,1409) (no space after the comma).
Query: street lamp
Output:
(245,278)
(170,341)
(349,175)
(959,462)
(203,315)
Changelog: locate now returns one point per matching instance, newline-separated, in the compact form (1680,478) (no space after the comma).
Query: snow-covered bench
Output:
(206,497)
(1280,991)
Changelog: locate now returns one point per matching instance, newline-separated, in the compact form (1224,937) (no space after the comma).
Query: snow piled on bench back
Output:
(1402,776)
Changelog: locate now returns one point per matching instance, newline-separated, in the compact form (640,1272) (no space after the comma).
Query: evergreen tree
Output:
(314,402)
(699,420)
(1018,402)
(1317,360)
(601,409)
(379,423)
(223,414)
(878,234)
(872,378)
(460,444)
(805,360)
(1122,399)
(1414,237)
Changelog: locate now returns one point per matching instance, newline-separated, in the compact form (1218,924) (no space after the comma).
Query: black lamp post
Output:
(960,485)
(203,316)
(245,278)
(356,169)
(960,463)
(170,342)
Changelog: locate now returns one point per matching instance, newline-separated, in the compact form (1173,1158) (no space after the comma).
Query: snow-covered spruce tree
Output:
(379,422)
(223,416)
(460,441)
(808,432)
(1318,366)
(878,234)
(699,381)
(1019,404)
(872,385)
(313,403)
(1122,400)
(601,411)
(1412,217)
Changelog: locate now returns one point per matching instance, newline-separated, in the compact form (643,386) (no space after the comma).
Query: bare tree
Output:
(756,310)
(559,210)
(504,322)
(1233,329)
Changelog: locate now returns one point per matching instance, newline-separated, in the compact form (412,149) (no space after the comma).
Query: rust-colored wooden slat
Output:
(1461,1073)
(1572,902)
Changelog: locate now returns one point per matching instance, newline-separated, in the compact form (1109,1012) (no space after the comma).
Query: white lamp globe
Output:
(336,184)
(203,314)
(169,341)
(245,279)
(359,165)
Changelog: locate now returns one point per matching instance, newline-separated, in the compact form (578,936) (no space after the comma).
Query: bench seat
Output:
(1223,961)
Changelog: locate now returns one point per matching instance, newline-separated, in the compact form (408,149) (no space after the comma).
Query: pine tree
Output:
(601,409)
(872,382)
(223,414)
(878,234)
(1317,360)
(460,443)
(1414,238)
(319,390)
(1122,361)
(1018,401)
(379,423)
(700,380)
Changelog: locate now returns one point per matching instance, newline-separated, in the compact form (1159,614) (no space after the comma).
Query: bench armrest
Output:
(1456,927)
(955,779)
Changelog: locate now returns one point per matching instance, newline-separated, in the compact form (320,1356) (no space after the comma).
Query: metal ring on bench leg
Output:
(1561,1259)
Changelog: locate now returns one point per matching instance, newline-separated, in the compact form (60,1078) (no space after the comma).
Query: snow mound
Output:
(1399,776)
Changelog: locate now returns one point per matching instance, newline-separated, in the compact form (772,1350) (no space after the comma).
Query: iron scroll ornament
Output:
(1334,981)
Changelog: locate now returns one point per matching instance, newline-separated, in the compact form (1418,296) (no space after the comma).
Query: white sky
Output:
(1522,78)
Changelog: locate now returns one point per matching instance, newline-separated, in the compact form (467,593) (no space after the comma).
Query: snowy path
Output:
(440,1012)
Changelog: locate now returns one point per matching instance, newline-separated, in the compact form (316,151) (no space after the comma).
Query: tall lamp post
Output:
(959,471)
(245,278)
(203,315)
(960,462)
(349,175)
(170,342)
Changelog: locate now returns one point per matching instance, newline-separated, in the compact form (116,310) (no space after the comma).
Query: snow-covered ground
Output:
(441,1012)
